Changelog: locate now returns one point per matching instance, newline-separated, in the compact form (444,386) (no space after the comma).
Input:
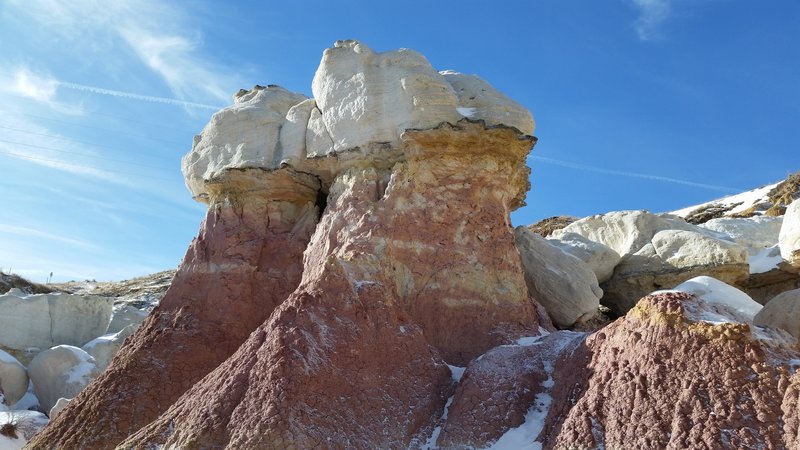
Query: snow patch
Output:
(726,303)
(765,260)
(467,112)
(430,444)
(747,200)
(81,372)
(525,436)
(456,372)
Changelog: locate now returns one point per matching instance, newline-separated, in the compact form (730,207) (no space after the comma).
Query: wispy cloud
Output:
(158,34)
(23,82)
(652,13)
(645,176)
(35,233)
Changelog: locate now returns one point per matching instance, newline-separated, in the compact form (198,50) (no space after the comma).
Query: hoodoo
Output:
(411,267)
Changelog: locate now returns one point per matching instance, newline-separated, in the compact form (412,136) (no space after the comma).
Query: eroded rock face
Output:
(508,386)
(393,286)
(665,377)
(245,261)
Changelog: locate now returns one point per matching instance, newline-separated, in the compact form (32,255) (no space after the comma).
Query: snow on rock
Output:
(765,260)
(657,379)
(11,443)
(789,239)
(754,233)
(562,283)
(732,204)
(599,257)
(504,396)
(105,347)
(61,371)
(25,425)
(730,304)
(45,320)
(670,258)
(124,316)
(782,312)
(13,379)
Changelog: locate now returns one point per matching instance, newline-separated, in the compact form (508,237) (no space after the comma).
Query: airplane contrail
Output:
(584,167)
(133,96)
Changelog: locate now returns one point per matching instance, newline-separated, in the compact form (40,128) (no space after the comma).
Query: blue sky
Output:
(639,104)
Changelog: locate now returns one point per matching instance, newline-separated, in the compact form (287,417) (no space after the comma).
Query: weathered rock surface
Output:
(670,258)
(105,347)
(13,379)
(245,261)
(599,257)
(563,284)
(789,239)
(506,387)
(61,371)
(782,312)
(664,377)
(46,320)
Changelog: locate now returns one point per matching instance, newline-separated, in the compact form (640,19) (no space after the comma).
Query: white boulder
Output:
(60,404)
(13,378)
(61,371)
(563,284)
(599,257)
(625,232)
(243,135)
(478,100)
(681,249)
(369,98)
(670,258)
(105,347)
(754,233)
(724,301)
(45,320)
(783,312)
(789,238)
